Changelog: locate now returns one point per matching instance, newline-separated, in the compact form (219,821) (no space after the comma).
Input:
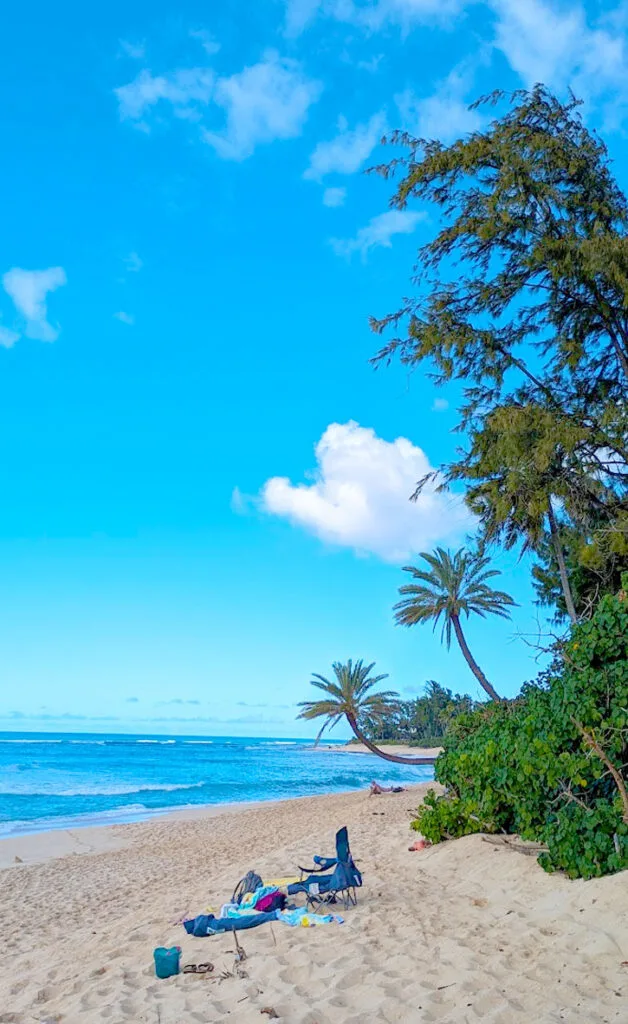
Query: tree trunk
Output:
(560,558)
(470,660)
(397,758)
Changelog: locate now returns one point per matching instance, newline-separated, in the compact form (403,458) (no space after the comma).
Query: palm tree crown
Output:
(349,696)
(452,586)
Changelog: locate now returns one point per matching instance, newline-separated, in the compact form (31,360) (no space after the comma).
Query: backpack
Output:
(250,883)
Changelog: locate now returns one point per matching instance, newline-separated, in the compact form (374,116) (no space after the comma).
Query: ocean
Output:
(64,780)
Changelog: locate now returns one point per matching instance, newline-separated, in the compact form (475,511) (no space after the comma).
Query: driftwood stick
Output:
(531,850)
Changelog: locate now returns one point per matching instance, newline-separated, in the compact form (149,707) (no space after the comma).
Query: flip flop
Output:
(198,968)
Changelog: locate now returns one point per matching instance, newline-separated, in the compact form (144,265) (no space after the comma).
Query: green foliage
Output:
(522,296)
(586,842)
(550,765)
(595,560)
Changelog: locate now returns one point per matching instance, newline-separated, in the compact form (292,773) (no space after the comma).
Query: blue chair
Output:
(331,879)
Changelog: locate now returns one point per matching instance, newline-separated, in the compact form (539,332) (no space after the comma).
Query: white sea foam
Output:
(98,790)
(30,741)
(161,742)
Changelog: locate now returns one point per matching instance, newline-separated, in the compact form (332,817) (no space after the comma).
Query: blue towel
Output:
(207,924)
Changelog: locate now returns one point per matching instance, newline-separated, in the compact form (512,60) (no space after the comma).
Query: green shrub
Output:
(540,765)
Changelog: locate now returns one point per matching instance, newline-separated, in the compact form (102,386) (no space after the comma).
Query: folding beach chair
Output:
(331,879)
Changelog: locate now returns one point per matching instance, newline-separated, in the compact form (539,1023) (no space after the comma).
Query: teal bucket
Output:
(167,961)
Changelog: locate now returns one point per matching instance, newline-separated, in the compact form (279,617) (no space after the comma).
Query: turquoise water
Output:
(62,780)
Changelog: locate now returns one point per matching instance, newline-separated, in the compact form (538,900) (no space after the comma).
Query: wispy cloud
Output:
(8,337)
(444,114)
(133,263)
(262,103)
(371,65)
(186,91)
(206,39)
(440,405)
(29,290)
(372,15)
(379,231)
(348,150)
(125,318)
(360,497)
(134,50)
(334,196)
(176,700)
(558,44)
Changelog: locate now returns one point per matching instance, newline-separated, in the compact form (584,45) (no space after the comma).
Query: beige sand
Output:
(390,748)
(460,933)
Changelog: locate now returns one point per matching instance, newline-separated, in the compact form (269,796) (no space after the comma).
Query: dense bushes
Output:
(550,765)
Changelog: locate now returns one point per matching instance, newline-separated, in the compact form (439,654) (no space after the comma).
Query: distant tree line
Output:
(420,722)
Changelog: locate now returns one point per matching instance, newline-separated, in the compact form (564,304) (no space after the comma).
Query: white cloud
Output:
(125,318)
(539,42)
(207,41)
(371,15)
(299,13)
(334,196)
(136,51)
(555,44)
(264,102)
(371,65)
(378,232)
(186,90)
(133,262)
(444,115)
(241,503)
(28,289)
(346,153)
(360,497)
(8,337)
(440,405)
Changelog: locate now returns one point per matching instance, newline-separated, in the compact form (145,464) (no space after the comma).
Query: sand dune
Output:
(461,933)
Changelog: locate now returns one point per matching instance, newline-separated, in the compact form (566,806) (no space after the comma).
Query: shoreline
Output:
(43,845)
(460,932)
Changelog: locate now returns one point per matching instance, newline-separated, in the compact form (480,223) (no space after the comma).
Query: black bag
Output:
(250,883)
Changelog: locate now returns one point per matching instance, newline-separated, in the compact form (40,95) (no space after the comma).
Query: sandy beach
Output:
(459,933)
(400,749)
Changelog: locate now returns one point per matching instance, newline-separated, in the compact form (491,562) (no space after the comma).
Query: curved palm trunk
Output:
(397,758)
(560,558)
(470,660)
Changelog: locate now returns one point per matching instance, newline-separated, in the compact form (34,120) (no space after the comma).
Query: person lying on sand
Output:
(376,789)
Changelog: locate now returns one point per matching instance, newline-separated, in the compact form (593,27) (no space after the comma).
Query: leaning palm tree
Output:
(452,586)
(349,697)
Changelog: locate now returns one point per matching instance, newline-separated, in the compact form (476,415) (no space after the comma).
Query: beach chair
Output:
(331,879)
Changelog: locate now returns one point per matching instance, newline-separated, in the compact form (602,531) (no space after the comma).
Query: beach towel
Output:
(207,924)
(304,918)
(251,899)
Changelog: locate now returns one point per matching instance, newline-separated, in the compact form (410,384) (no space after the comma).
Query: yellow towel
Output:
(281,883)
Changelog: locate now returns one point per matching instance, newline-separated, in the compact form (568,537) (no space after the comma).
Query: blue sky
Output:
(204,482)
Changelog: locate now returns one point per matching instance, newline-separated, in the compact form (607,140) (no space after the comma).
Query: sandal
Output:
(198,968)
